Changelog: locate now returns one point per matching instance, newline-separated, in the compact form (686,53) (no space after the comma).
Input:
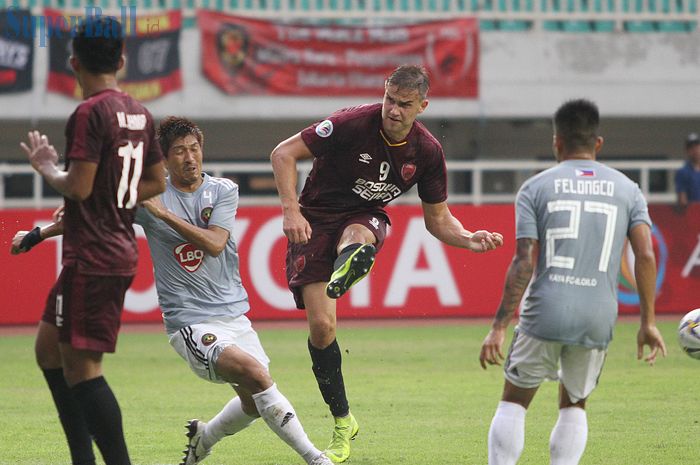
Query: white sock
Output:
(230,420)
(568,439)
(280,416)
(507,434)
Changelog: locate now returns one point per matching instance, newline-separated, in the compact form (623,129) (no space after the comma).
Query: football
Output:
(689,333)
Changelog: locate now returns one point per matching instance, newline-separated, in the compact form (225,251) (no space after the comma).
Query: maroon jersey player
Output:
(363,158)
(112,162)
(370,171)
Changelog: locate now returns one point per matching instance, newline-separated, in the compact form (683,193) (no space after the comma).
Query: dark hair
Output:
(410,77)
(174,127)
(692,140)
(576,124)
(98,44)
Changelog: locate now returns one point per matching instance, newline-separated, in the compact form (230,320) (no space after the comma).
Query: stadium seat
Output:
(577,26)
(604,26)
(552,25)
(514,26)
(487,25)
(672,26)
(639,26)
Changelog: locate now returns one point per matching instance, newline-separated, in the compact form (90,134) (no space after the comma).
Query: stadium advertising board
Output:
(152,51)
(415,275)
(16,52)
(248,56)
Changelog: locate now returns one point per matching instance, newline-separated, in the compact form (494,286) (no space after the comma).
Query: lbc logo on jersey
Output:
(188,256)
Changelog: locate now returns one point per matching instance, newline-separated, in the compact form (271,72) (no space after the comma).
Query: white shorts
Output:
(201,344)
(530,361)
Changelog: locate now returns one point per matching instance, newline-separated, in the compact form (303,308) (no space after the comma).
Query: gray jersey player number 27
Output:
(571,231)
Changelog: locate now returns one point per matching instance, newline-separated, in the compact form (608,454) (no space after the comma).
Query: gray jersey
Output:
(580,212)
(193,286)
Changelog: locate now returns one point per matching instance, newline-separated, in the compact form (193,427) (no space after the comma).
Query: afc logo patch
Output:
(206,214)
(208,339)
(299,263)
(407,171)
(324,128)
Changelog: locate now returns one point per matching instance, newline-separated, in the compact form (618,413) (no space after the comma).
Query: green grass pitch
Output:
(418,392)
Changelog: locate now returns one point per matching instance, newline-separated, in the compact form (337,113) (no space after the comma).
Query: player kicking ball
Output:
(363,158)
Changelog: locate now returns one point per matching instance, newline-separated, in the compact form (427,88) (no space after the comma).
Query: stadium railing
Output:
(509,15)
(469,182)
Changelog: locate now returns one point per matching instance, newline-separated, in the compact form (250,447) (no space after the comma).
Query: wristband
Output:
(32,238)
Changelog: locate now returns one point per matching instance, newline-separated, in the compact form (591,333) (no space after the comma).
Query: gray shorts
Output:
(530,361)
(200,345)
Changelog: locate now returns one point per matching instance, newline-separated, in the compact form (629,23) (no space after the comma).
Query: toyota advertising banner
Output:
(152,51)
(415,275)
(249,56)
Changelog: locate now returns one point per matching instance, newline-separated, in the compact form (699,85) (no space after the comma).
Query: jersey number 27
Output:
(572,230)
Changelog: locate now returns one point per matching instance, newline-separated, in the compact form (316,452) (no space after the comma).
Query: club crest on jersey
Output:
(206,214)
(407,171)
(324,128)
(188,256)
(208,339)
(299,263)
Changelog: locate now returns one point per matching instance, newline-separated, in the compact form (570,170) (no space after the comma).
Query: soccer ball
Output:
(689,333)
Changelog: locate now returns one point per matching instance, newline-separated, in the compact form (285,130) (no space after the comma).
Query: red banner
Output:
(415,275)
(152,50)
(247,56)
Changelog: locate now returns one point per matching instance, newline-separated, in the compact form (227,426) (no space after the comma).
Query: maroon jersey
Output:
(357,169)
(116,132)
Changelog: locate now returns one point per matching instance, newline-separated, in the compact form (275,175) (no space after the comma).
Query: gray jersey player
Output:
(572,222)
(196,265)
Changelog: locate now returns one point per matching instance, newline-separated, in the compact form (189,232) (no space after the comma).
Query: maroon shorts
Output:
(87,309)
(313,262)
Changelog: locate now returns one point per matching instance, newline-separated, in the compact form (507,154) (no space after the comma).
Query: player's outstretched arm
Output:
(284,160)
(517,279)
(24,241)
(645,276)
(440,222)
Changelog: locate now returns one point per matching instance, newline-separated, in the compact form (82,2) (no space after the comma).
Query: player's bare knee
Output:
(255,379)
(46,349)
(75,374)
(262,379)
(322,334)
(236,366)
(46,358)
(355,234)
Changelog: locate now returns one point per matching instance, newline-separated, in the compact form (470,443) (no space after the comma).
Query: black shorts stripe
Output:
(191,344)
